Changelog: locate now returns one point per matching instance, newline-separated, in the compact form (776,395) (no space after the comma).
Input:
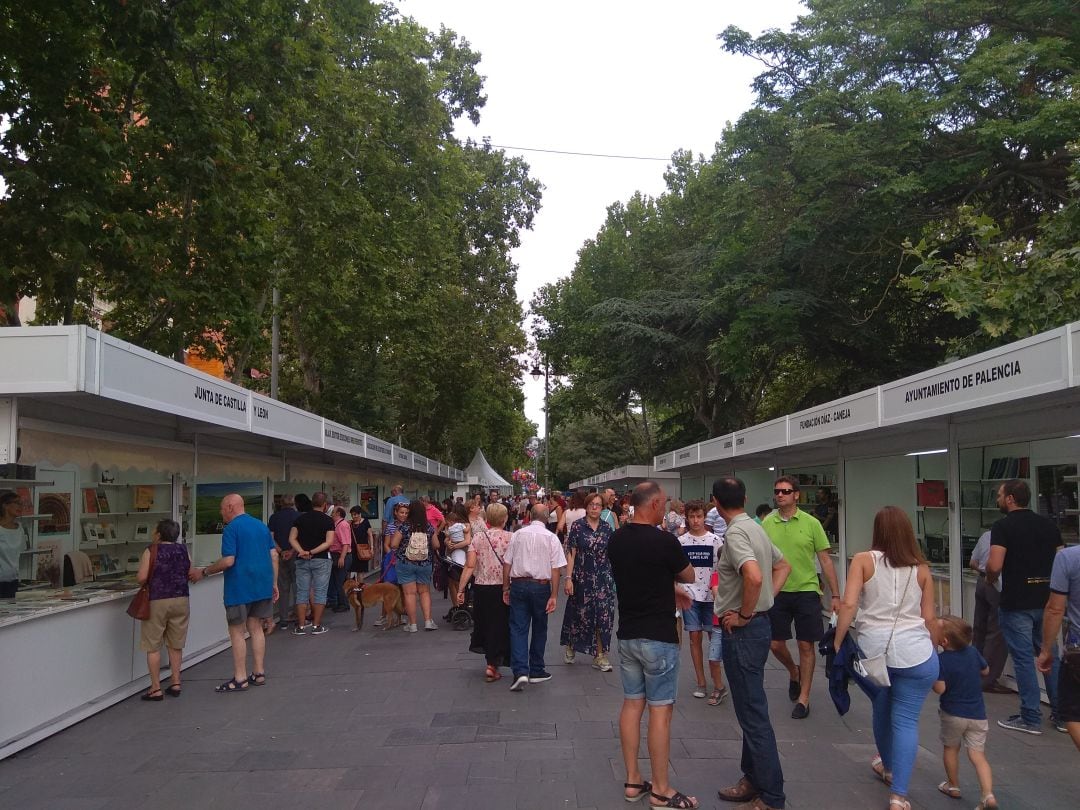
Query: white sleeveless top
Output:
(878,602)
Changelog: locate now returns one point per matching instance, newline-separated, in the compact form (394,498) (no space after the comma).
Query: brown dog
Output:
(361,596)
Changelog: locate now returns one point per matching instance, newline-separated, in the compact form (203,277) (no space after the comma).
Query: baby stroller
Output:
(460,617)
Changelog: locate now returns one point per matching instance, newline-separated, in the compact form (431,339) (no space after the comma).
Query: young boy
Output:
(963,713)
(701,547)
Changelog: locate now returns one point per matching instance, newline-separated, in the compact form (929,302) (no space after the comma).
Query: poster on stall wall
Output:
(340,497)
(208,503)
(369,502)
(143,498)
(57,505)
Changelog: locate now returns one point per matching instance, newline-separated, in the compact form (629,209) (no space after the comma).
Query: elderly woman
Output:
(891,587)
(484,566)
(590,588)
(165,566)
(414,562)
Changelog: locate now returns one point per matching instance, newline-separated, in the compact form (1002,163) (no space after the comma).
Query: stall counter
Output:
(66,658)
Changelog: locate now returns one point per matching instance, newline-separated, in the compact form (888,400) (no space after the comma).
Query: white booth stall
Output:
(937,444)
(622,479)
(101,440)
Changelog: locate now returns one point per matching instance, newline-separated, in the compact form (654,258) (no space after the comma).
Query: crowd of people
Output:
(738,586)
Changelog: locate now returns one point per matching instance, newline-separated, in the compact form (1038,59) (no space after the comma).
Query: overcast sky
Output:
(624,77)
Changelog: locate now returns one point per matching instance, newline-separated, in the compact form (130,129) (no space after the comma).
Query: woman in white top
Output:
(890,585)
(12,541)
(573,513)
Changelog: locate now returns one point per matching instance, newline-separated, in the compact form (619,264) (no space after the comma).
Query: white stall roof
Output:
(1041,364)
(481,473)
(49,360)
(624,474)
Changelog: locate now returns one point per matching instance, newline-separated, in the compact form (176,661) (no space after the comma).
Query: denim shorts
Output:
(698,618)
(716,645)
(409,573)
(650,670)
(312,576)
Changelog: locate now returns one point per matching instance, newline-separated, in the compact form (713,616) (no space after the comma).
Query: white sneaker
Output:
(430,625)
(519,683)
(380,622)
(409,628)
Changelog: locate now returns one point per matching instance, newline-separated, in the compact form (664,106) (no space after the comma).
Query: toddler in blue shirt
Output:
(962,711)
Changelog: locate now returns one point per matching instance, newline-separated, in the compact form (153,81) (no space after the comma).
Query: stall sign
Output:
(378,450)
(685,457)
(342,439)
(419,462)
(1027,368)
(272,418)
(138,377)
(663,462)
(1074,351)
(847,415)
(402,457)
(39,359)
(765,436)
(719,448)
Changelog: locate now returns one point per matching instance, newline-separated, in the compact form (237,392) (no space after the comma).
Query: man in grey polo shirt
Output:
(750,572)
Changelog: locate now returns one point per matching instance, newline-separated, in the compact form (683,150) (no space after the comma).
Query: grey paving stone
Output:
(586,730)
(478,718)
(516,731)
(425,736)
(540,749)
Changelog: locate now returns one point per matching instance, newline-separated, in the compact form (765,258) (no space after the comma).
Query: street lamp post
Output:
(535,373)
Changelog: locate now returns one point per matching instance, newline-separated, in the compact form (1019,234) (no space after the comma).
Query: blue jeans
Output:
(1023,636)
(745,651)
(528,601)
(896,718)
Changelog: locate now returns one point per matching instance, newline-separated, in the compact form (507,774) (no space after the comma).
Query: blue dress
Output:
(590,612)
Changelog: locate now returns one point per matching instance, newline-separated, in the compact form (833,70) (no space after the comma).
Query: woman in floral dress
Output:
(590,588)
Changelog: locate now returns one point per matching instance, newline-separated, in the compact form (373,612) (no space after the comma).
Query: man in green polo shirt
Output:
(800,538)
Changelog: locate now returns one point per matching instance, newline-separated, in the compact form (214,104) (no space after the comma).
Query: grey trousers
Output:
(286,583)
(988,637)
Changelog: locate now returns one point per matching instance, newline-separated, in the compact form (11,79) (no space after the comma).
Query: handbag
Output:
(875,668)
(139,607)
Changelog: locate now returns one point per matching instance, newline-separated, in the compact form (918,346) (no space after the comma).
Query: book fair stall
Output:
(101,440)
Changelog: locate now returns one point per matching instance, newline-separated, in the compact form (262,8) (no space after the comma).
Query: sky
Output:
(631,77)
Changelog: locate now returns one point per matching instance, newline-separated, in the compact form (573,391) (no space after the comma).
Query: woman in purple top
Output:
(169,609)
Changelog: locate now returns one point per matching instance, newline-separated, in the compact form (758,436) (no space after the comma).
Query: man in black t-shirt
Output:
(1022,549)
(647,564)
(311,537)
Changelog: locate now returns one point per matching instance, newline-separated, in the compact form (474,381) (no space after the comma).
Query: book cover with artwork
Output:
(142,498)
(102,502)
(89,501)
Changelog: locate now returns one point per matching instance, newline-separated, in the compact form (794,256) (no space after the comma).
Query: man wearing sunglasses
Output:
(801,539)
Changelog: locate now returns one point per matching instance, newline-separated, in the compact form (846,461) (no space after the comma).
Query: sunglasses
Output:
(782,491)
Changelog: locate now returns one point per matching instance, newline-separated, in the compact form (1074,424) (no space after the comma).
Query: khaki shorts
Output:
(168,621)
(972,732)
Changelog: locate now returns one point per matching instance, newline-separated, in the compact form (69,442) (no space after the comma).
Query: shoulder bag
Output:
(139,608)
(875,669)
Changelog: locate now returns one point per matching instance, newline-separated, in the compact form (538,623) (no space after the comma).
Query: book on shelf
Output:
(932,493)
(102,502)
(142,498)
(90,501)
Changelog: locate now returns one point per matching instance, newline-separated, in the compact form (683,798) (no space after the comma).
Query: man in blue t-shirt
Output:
(249,559)
(395,498)
(1064,601)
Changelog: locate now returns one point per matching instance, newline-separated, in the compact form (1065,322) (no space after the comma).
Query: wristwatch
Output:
(204,570)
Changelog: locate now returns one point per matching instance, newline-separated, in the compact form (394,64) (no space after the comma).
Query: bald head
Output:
(231,506)
(539,512)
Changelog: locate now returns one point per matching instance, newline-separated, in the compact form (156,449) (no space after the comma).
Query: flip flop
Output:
(152,696)
(232,685)
(173,691)
(644,789)
(952,791)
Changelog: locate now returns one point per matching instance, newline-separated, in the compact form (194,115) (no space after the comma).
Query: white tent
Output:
(480,473)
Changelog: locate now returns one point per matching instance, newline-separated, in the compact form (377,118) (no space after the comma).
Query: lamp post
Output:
(535,373)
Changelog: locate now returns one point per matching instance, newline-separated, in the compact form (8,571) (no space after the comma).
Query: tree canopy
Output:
(168,164)
(904,188)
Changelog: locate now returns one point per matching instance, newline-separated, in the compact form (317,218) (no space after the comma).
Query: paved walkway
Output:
(392,720)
